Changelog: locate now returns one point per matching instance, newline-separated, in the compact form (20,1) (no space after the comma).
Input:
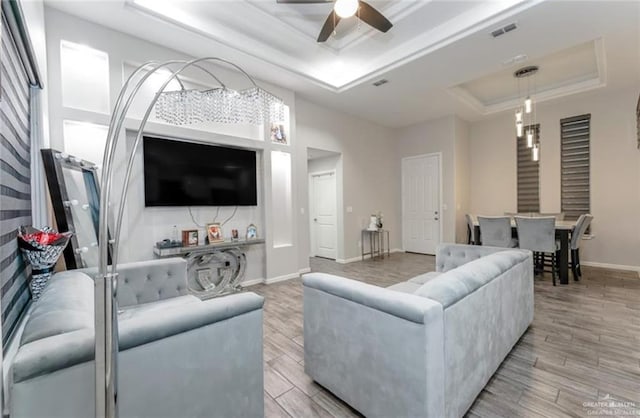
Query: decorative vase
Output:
(41,249)
(373,223)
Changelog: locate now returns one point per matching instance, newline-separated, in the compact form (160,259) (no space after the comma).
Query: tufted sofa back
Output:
(451,256)
(151,281)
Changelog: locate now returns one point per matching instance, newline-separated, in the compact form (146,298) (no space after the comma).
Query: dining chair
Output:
(471,235)
(576,236)
(558,215)
(539,235)
(495,231)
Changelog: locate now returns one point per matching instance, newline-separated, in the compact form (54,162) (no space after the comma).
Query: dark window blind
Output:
(575,165)
(528,175)
(15,178)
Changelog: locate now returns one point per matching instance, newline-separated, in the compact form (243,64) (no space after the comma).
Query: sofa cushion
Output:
(158,307)
(423,278)
(65,305)
(405,287)
(450,287)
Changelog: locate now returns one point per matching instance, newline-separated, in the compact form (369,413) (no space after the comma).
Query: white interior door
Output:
(323,215)
(421,203)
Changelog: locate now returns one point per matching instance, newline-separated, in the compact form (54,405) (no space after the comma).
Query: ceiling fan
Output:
(346,8)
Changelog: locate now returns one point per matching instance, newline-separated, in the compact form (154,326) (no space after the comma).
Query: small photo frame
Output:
(214,233)
(252,232)
(278,133)
(189,237)
(234,234)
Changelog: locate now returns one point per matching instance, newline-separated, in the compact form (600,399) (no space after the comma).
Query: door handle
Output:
(315,219)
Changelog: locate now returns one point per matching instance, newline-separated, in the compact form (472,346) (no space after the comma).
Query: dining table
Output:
(564,229)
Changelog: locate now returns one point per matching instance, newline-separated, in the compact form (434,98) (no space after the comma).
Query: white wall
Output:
(615,170)
(143,226)
(432,137)
(370,169)
(462,176)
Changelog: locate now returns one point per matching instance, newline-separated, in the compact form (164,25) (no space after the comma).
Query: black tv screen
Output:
(180,173)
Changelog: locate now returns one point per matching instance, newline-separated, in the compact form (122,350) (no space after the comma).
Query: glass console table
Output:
(376,240)
(213,269)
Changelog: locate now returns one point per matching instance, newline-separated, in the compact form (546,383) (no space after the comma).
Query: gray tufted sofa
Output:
(179,356)
(423,348)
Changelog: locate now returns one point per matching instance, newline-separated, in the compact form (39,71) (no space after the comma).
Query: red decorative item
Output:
(41,249)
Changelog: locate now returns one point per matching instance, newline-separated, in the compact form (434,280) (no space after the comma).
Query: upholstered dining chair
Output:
(558,215)
(471,234)
(495,231)
(576,237)
(539,235)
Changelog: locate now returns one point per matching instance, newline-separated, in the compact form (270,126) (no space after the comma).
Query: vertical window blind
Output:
(575,165)
(15,176)
(528,175)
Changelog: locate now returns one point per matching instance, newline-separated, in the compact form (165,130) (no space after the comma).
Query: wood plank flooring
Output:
(583,345)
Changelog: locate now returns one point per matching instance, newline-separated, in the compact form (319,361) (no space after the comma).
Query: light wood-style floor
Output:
(583,345)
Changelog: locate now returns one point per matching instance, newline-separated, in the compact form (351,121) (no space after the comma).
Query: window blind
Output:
(528,175)
(15,177)
(575,165)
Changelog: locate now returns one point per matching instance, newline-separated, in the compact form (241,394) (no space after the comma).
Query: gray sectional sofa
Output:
(423,348)
(179,356)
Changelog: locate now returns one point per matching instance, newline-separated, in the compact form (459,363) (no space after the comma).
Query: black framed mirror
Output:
(75,197)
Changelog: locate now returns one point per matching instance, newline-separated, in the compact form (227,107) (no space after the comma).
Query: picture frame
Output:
(252,232)
(189,237)
(214,233)
(278,133)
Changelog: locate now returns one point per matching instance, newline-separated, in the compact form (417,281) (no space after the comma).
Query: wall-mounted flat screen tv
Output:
(178,173)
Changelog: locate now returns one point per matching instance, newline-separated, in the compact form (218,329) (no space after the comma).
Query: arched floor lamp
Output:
(220,104)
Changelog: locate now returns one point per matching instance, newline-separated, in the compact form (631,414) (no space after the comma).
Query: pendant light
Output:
(536,152)
(526,115)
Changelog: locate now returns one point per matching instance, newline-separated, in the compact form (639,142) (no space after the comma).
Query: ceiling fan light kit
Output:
(344,9)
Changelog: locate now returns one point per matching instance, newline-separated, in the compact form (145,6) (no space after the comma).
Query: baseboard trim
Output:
(290,276)
(282,278)
(252,282)
(610,266)
(366,257)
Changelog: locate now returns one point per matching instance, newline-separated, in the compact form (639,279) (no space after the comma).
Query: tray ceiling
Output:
(285,34)
(576,69)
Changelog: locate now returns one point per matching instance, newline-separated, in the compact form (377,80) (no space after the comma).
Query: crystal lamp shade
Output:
(253,106)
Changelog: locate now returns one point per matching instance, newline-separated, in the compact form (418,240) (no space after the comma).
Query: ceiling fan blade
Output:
(373,18)
(303,1)
(329,26)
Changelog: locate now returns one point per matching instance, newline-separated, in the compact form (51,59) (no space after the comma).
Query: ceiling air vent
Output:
(504,29)
(381,82)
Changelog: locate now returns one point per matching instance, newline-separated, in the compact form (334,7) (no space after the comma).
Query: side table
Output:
(376,243)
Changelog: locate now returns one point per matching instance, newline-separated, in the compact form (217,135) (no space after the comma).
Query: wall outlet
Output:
(359,244)
(349,209)
(301,211)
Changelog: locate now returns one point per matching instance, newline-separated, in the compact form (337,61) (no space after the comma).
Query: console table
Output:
(376,243)
(214,269)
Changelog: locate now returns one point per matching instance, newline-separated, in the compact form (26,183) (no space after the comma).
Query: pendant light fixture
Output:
(526,114)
